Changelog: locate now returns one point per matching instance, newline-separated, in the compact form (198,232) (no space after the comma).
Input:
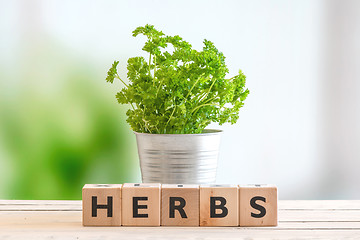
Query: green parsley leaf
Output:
(112,72)
(178,89)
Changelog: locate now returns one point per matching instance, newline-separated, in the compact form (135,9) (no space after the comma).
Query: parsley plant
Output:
(178,89)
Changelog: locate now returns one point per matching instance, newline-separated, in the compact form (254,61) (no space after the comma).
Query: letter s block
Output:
(180,205)
(219,205)
(258,205)
(141,204)
(101,204)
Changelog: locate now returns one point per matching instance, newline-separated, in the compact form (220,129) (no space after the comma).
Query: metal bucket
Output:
(179,158)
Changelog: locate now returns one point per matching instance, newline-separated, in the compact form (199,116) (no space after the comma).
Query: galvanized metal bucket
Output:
(179,158)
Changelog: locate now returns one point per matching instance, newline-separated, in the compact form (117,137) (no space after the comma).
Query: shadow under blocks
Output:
(155,204)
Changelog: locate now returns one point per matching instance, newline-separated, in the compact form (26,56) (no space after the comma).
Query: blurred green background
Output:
(60,128)
(60,124)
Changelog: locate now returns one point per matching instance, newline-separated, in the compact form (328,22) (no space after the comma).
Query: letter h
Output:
(108,206)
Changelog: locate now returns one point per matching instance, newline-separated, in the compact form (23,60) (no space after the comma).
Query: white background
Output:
(299,128)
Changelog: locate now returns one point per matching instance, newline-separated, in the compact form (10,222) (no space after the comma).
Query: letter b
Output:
(221,206)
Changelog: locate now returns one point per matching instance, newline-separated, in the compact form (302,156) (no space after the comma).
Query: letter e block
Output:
(219,205)
(180,205)
(101,204)
(141,204)
(258,205)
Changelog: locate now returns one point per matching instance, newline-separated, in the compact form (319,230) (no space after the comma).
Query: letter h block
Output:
(258,204)
(101,204)
(180,205)
(141,204)
(219,205)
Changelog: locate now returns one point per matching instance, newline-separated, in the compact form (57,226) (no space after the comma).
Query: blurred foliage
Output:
(59,129)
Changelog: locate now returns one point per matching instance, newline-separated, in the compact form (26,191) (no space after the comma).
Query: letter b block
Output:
(219,205)
(101,204)
(141,204)
(258,204)
(180,205)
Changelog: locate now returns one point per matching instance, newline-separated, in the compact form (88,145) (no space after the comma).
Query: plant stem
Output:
(146,124)
(132,106)
(150,69)
(193,85)
(157,91)
(211,99)
(208,90)
(170,117)
(118,77)
(154,66)
(208,104)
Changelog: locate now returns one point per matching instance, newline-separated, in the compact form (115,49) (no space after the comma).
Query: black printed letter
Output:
(95,206)
(258,207)
(180,207)
(221,206)
(136,207)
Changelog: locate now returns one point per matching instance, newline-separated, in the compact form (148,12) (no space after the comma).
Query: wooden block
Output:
(258,205)
(180,205)
(141,204)
(219,205)
(101,204)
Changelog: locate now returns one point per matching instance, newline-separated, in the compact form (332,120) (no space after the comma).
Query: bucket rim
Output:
(205,132)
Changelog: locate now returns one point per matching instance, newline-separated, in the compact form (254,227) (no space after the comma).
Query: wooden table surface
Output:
(62,220)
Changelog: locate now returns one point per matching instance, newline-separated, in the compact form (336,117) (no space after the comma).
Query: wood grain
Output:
(97,196)
(299,219)
(230,196)
(258,205)
(147,204)
(190,195)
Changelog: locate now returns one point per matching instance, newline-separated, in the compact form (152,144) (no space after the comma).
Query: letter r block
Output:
(258,204)
(219,205)
(180,205)
(141,204)
(101,204)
